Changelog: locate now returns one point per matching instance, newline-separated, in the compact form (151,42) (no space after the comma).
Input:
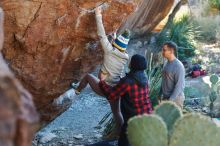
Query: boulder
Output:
(18,116)
(49,44)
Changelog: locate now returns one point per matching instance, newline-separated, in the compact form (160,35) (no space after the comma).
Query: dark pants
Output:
(123,140)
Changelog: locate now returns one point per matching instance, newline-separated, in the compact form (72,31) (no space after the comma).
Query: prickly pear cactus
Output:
(214,93)
(214,79)
(195,130)
(169,112)
(147,130)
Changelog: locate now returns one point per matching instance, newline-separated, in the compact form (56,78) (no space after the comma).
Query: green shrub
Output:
(215,4)
(153,73)
(183,32)
(209,28)
(155,79)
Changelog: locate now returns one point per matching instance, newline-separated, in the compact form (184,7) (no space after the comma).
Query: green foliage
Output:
(155,79)
(108,123)
(147,130)
(208,26)
(183,32)
(205,16)
(169,112)
(189,130)
(215,4)
(153,73)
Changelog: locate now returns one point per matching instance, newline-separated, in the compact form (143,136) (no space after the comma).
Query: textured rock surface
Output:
(18,116)
(148,15)
(51,43)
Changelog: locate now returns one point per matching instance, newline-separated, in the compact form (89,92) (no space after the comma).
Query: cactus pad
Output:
(169,112)
(213,96)
(195,130)
(147,130)
(214,79)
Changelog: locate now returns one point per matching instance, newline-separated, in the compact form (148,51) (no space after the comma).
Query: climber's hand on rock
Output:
(98,10)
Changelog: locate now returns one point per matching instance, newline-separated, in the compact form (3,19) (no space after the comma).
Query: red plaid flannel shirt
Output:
(138,95)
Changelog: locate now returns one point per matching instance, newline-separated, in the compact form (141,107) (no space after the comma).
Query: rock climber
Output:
(112,68)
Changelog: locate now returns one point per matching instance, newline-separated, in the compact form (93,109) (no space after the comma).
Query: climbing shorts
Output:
(106,89)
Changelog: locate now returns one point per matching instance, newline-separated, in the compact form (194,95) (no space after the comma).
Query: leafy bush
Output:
(206,15)
(215,4)
(183,32)
(153,73)
(209,28)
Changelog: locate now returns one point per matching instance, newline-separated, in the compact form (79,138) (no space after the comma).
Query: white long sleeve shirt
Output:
(114,60)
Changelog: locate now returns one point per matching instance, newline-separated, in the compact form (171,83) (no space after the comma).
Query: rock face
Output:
(49,44)
(18,115)
(147,16)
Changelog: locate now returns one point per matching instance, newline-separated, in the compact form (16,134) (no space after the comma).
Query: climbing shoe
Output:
(77,92)
(74,86)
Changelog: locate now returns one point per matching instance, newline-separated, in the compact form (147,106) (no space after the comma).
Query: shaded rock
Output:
(147,16)
(18,116)
(70,142)
(90,140)
(78,136)
(67,96)
(98,136)
(217,121)
(46,137)
(52,43)
(197,87)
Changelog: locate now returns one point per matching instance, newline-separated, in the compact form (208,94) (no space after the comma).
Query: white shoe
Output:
(68,95)
(74,86)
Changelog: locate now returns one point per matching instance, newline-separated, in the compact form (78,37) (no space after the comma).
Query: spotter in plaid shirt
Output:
(133,90)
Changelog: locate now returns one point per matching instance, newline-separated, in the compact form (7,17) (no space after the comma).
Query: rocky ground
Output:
(77,126)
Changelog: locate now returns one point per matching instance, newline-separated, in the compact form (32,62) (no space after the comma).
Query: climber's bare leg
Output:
(92,81)
(115,107)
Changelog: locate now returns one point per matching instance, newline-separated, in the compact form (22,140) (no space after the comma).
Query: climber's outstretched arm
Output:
(106,45)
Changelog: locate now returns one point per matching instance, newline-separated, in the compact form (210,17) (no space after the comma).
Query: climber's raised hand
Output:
(98,10)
